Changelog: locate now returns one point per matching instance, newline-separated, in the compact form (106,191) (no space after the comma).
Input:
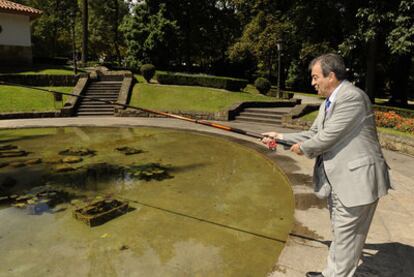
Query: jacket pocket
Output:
(352,165)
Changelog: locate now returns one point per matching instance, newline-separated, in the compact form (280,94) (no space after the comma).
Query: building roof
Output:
(15,8)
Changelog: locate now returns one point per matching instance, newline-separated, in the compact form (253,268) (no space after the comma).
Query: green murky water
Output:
(217,209)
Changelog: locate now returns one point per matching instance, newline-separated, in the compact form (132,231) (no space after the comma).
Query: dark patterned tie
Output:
(327,104)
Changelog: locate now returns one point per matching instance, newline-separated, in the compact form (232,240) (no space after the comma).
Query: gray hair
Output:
(331,63)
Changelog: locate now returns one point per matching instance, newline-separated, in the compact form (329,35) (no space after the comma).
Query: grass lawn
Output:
(189,98)
(18,99)
(40,69)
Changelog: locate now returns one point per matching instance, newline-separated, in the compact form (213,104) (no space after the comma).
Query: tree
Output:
(148,35)
(52,30)
(385,33)
(105,37)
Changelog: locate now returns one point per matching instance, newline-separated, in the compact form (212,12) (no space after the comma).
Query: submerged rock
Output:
(78,152)
(13,153)
(150,171)
(7,147)
(64,168)
(72,160)
(3,164)
(129,150)
(53,160)
(17,164)
(33,161)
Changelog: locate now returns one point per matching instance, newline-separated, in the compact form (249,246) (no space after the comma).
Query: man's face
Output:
(323,85)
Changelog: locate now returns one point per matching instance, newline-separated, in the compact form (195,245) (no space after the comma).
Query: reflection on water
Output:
(212,207)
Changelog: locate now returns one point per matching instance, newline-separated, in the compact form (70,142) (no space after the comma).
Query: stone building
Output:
(15,33)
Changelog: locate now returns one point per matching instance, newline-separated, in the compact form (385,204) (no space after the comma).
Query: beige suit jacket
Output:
(347,140)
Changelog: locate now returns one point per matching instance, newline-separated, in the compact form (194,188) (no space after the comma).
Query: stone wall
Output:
(194,115)
(20,115)
(15,55)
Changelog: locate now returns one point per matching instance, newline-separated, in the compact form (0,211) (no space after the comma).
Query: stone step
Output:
(278,110)
(87,110)
(98,106)
(262,115)
(102,87)
(258,119)
(101,94)
(93,102)
(103,90)
(105,82)
(94,113)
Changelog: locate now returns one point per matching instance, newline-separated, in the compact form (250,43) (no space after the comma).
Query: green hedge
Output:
(231,84)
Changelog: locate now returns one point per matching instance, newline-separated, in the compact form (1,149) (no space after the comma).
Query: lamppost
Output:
(74,56)
(279,50)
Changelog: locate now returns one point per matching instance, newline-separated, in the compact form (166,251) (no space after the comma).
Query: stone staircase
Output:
(271,116)
(105,90)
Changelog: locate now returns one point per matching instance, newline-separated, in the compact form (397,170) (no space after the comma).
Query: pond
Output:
(199,205)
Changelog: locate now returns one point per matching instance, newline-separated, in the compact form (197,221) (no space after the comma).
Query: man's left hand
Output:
(296,149)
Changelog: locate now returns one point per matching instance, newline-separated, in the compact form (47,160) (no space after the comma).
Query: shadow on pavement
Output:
(387,260)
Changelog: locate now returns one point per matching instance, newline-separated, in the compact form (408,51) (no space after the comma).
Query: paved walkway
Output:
(390,245)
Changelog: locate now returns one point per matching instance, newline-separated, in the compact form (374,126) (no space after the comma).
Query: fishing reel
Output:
(271,144)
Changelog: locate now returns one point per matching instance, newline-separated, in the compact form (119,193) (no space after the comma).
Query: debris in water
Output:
(123,247)
(101,211)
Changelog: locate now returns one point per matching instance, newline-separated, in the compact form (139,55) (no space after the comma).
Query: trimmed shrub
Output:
(262,85)
(231,84)
(147,71)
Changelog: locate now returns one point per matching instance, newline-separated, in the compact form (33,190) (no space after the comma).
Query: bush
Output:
(262,85)
(231,84)
(147,71)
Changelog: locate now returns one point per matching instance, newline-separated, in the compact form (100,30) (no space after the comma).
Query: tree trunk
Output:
(116,33)
(399,82)
(371,70)
(84,32)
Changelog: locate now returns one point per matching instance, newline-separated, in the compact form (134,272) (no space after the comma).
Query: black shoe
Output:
(314,274)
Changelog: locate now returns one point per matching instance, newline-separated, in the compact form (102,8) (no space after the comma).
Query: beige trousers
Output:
(349,228)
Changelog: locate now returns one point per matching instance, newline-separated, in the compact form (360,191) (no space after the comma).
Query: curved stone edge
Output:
(251,143)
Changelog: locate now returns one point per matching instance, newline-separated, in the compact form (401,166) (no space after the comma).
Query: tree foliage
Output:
(241,37)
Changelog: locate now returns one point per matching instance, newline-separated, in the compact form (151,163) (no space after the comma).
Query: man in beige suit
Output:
(350,168)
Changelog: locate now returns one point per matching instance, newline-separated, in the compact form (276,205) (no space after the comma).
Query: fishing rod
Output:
(272,144)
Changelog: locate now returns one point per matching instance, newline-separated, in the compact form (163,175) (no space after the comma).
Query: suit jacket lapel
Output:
(338,96)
